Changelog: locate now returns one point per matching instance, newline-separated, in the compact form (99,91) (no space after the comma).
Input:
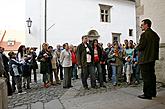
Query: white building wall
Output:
(34,10)
(74,18)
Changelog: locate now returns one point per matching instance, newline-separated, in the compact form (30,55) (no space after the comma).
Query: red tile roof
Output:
(6,44)
(7,47)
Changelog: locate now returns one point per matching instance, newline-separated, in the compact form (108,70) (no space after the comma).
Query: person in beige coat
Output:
(54,65)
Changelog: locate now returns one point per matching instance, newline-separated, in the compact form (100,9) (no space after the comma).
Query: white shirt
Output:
(88,55)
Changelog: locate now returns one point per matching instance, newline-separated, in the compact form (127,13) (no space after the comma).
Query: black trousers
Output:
(109,68)
(67,77)
(85,72)
(35,74)
(149,78)
(104,72)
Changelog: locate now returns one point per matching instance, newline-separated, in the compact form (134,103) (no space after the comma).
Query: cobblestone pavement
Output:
(39,94)
(36,94)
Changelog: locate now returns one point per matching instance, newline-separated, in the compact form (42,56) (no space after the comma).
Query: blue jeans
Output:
(99,73)
(136,71)
(74,71)
(114,74)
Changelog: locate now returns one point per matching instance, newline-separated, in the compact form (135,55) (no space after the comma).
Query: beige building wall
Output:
(154,10)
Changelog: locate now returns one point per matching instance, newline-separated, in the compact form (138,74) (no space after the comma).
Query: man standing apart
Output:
(85,58)
(149,53)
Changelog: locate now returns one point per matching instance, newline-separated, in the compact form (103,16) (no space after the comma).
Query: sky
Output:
(12,14)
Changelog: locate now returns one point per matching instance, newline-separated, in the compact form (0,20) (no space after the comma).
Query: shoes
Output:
(94,87)
(53,84)
(59,83)
(144,97)
(128,83)
(28,88)
(103,86)
(114,84)
(70,86)
(65,87)
(46,85)
(153,95)
(10,94)
(86,88)
(73,78)
(21,92)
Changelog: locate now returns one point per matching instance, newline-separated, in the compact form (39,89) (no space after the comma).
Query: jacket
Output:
(45,63)
(115,60)
(81,55)
(148,46)
(66,58)
(14,67)
(2,70)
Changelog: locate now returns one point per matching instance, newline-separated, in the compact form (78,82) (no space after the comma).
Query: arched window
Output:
(93,34)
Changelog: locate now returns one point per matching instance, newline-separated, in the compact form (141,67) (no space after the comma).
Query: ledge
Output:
(162,45)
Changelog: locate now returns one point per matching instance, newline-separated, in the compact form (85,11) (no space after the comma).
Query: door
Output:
(116,37)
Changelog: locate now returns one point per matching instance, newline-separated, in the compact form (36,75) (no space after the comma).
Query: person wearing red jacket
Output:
(74,62)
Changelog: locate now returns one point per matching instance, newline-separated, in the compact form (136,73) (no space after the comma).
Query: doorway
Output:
(116,37)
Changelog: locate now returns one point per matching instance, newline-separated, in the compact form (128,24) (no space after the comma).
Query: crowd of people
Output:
(116,63)
(61,64)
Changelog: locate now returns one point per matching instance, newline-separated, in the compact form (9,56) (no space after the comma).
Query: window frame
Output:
(105,16)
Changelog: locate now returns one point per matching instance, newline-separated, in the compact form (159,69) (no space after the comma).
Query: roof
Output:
(10,45)
(7,47)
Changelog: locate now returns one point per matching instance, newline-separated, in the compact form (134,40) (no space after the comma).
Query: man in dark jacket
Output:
(6,68)
(149,49)
(85,58)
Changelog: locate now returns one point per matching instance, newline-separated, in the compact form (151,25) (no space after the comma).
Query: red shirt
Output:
(96,57)
(74,60)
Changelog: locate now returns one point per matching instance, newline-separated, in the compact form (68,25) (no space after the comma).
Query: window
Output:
(130,32)
(93,34)
(105,13)
(10,42)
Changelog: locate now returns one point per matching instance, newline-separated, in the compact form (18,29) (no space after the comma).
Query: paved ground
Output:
(124,98)
(55,97)
(37,93)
